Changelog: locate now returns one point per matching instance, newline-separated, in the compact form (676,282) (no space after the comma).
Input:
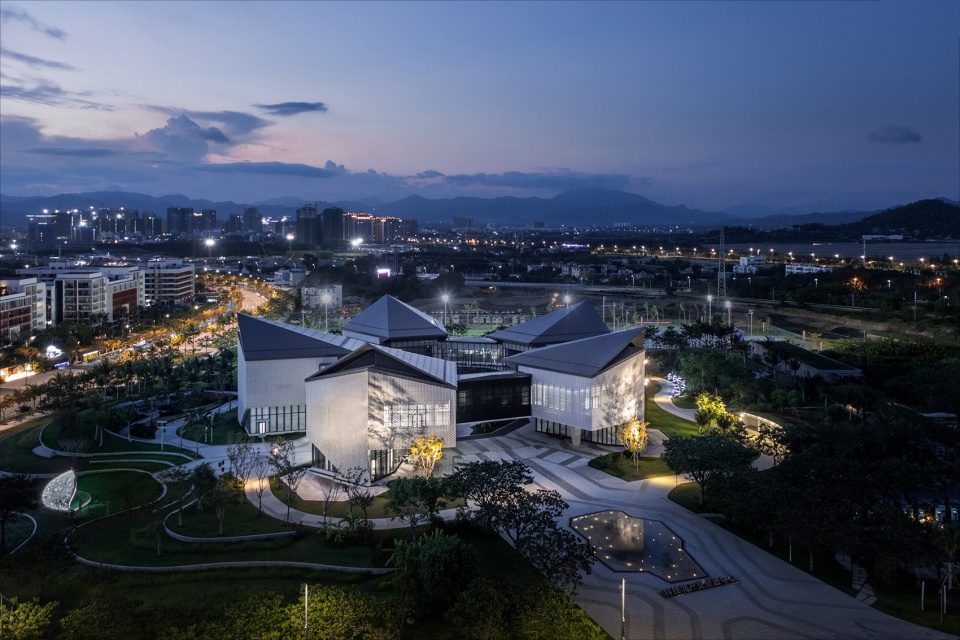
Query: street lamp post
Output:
(751,321)
(729,306)
(326,310)
(709,309)
(209,242)
(446,298)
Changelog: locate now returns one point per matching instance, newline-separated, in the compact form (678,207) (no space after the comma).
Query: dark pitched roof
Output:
(586,357)
(396,361)
(570,323)
(263,339)
(389,319)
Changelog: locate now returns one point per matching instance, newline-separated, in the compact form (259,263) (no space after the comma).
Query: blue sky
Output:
(816,105)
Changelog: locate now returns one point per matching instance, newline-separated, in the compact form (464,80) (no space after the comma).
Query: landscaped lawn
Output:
(16,454)
(685,402)
(109,540)
(336,509)
(624,468)
(113,491)
(342,508)
(667,423)
(19,529)
(112,443)
(138,462)
(242,519)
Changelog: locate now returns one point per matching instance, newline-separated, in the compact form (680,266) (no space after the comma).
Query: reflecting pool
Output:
(625,543)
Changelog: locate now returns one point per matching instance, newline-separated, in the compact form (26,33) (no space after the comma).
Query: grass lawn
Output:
(342,508)
(113,491)
(112,443)
(669,424)
(152,466)
(16,454)
(623,467)
(241,519)
(19,529)
(685,402)
(126,539)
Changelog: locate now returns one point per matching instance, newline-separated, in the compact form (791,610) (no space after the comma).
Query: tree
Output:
(43,559)
(416,500)
(17,493)
(437,567)
(260,468)
(706,458)
(359,497)
(27,620)
(179,481)
(287,470)
(223,493)
(203,479)
(486,483)
(241,454)
(562,556)
(73,447)
(771,441)
(425,451)
(633,436)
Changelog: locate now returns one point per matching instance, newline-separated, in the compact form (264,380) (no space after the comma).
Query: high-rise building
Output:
(252,220)
(178,220)
(209,220)
(309,231)
(333,231)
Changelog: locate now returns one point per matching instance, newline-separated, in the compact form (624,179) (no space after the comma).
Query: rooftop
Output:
(263,339)
(396,361)
(586,357)
(390,319)
(570,323)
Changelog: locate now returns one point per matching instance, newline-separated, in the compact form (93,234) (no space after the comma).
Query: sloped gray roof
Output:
(439,370)
(390,319)
(586,357)
(263,339)
(570,323)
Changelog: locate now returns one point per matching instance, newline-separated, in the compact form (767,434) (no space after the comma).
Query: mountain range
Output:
(579,207)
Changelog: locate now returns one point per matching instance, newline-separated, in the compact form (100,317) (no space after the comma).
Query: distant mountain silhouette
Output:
(578,207)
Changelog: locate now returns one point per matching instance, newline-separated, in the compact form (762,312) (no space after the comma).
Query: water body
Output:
(901,251)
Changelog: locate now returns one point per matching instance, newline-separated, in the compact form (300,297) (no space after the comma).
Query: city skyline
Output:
(713,105)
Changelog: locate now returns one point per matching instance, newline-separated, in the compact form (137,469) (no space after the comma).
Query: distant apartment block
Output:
(462,222)
(330,296)
(750,264)
(84,294)
(168,281)
(23,308)
(806,268)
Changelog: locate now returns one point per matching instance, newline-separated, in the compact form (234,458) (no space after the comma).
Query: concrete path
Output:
(773,599)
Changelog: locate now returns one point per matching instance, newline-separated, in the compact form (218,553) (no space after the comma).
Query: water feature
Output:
(627,543)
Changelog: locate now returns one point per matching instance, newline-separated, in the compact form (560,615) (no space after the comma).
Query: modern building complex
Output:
(65,291)
(168,281)
(23,308)
(394,374)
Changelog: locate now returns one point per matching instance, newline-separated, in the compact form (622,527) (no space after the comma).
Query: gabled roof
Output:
(586,357)
(395,361)
(389,319)
(263,339)
(570,323)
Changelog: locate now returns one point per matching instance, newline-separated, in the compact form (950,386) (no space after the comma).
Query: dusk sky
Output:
(817,105)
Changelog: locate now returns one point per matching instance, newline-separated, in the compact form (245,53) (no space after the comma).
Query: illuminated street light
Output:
(446,299)
(710,308)
(325,298)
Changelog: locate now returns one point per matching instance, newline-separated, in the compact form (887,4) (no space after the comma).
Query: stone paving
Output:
(773,599)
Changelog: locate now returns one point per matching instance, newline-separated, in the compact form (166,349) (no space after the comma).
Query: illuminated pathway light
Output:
(58,494)
(626,543)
